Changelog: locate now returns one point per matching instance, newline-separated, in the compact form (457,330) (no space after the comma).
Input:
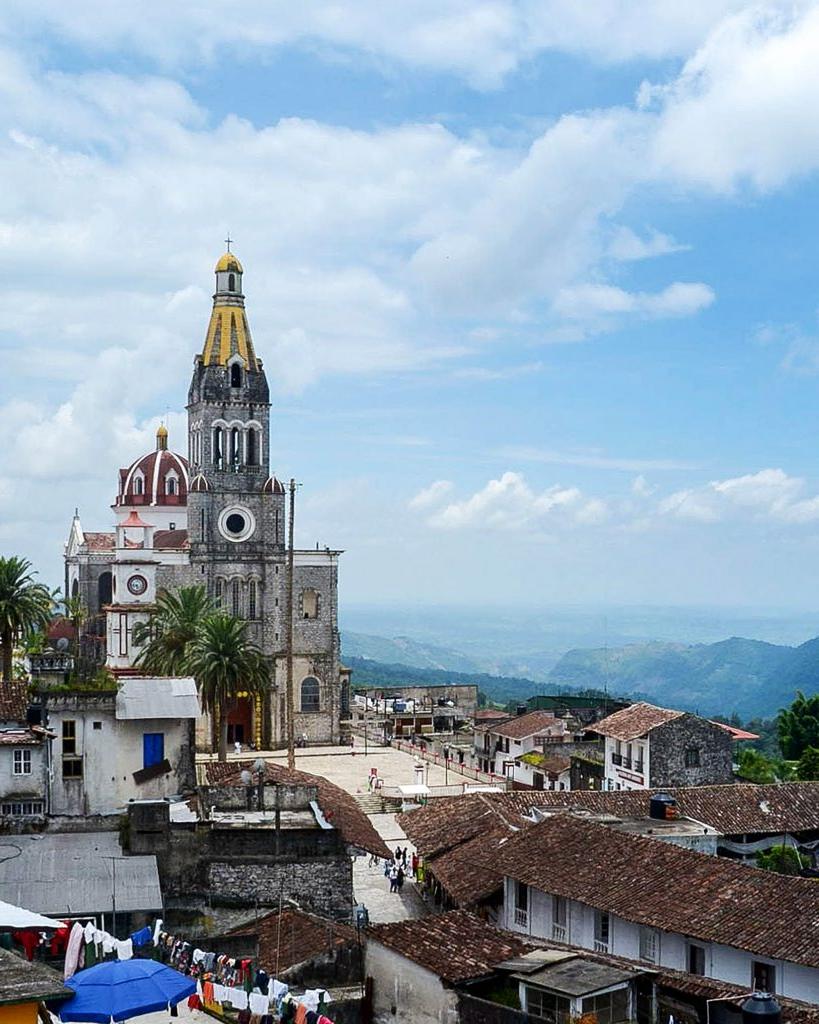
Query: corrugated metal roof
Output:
(73,873)
(144,697)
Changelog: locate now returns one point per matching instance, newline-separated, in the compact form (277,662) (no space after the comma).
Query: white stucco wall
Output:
(11,785)
(111,754)
(723,962)
(417,994)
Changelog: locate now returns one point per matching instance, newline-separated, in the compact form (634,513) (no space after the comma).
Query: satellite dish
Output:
(62,643)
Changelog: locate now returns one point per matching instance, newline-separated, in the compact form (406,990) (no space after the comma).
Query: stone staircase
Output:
(370,803)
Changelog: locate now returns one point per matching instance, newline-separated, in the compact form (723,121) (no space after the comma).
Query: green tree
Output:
(798,726)
(25,606)
(754,766)
(77,614)
(784,860)
(225,663)
(172,629)
(807,768)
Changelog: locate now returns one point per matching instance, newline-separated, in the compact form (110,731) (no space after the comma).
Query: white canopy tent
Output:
(16,918)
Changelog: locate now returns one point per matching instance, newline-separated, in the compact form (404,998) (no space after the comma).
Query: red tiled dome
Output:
(159,478)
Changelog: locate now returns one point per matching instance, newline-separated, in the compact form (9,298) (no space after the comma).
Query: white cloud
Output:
(592,300)
(509,503)
(627,246)
(487,373)
(481,41)
(641,488)
(432,495)
(769,494)
(742,109)
(589,459)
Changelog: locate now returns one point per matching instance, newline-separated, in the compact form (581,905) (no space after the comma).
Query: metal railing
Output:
(490,778)
(600,946)
(521,917)
(560,932)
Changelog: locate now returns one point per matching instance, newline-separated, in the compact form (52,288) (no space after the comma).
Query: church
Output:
(217,518)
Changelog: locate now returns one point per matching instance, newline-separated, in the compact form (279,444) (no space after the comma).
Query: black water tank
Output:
(34,715)
(522,709)
(663,806)
(761,1008)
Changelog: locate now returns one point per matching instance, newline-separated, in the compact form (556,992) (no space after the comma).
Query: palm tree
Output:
(171,630)
(24,606)
(224,664)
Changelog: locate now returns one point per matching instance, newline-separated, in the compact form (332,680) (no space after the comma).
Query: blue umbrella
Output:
(121,989)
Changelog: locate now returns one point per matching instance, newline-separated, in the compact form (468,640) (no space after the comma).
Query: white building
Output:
(22,759)
(590,886)
(498,745)
(108,748)
(648,746)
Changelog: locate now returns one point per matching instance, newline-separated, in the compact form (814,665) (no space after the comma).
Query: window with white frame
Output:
(648,945)
(521,904)
(22,809)
(22,762)
(602,931)
(560,918)
(547,1006)
(763,977)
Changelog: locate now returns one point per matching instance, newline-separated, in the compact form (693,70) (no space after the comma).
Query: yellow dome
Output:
(161,430)
(229,262)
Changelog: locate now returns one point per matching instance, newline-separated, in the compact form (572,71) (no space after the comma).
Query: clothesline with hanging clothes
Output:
(221,979)
(224,980)
(88,945)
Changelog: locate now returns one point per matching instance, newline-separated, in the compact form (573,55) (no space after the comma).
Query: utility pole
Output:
(291,724)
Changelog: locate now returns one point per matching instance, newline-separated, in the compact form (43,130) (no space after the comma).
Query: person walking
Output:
(397,854)
(399,879)
(414,863)
(394,871)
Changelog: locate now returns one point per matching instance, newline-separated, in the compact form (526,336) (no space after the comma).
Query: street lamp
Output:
(446,766)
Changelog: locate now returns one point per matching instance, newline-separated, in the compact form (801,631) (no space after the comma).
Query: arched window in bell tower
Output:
(217,446)
(236,376)
(252,448)
(235,447)
(231,282)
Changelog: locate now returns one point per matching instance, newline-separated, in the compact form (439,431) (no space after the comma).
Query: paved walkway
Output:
(351,768)
(373,890)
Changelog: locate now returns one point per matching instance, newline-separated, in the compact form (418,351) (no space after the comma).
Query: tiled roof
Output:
(524,725)
(18,738)
(13,701)
(457,946)
(793,1011)
(491,715)
(634,721)
(339,807)
(651,883)
(99,541)
(173,540)
(730,810)
(446,823)
(24,982)
(469,872)
(292,937)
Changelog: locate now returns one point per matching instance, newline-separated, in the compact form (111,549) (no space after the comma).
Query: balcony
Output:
(639,767)
(521,918)
(616,758)
(560,933)
(600,946)
(626,762)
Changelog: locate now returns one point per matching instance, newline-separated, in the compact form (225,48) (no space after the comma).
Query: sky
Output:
(534,282)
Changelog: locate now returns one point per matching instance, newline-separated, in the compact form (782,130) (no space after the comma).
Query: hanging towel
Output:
(157,930)
(88,932)
(301,1014)
(109,943)
(198,956)
(142,937)
(237,997)
(313,996)
(258,1003)
(72,953)
(125,949)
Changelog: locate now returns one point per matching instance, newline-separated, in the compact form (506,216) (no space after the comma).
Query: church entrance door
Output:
(240,720)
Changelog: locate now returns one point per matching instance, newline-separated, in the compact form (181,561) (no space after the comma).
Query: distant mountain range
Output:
(750,677)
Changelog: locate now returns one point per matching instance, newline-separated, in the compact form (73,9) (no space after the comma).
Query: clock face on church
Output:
(137,585)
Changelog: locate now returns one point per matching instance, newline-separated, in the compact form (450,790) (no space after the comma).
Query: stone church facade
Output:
(218,518)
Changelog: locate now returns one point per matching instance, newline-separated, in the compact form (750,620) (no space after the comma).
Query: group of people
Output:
(398,867)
